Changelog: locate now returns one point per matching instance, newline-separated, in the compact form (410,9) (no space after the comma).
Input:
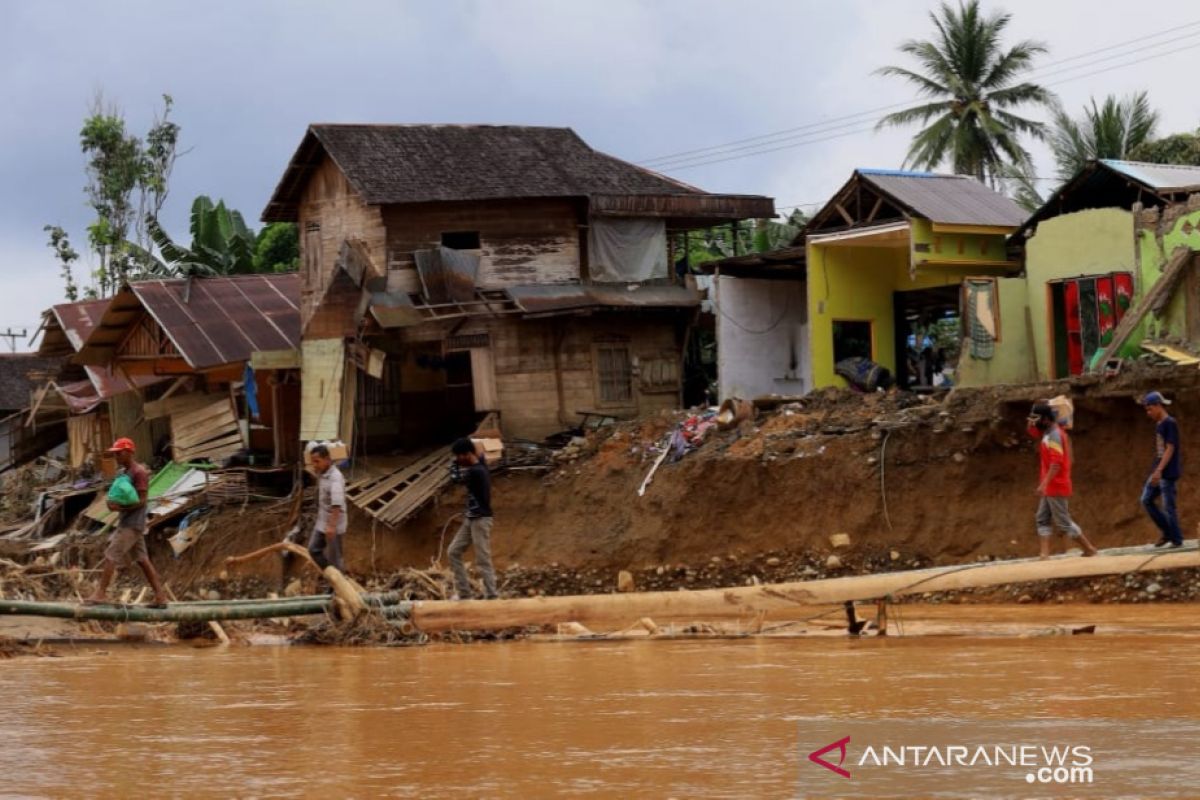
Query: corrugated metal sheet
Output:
(79,319)
(66,326)
(1161,177)
(947,199)
(394,310)
(108,383)
(645,296)
(323,363)
(215,321)
(543,299)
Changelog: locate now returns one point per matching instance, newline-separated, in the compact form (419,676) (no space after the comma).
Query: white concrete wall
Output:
(762,337)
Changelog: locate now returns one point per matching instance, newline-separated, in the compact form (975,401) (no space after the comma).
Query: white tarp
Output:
(627,250)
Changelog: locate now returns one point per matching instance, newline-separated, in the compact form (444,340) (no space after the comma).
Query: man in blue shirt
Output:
(1165,473)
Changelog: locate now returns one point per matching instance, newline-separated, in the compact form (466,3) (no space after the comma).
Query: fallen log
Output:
(343,587)
(781,600)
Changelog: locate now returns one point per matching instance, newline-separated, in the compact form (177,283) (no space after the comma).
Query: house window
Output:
(1086,312)
(461,240)
(852,338)
(312,255)
(614,374)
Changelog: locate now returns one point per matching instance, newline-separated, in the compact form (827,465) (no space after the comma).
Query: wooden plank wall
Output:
(521,241)
(87,436)
(525,368)
(127,418)
(329,201)
(321,388)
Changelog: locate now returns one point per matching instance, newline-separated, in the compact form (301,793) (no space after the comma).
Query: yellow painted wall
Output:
(857,283)
(1012,360)
(1093,242)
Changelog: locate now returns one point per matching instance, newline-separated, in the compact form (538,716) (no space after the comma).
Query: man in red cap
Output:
(128,542)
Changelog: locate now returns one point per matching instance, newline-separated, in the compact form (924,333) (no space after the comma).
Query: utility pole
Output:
(12,337)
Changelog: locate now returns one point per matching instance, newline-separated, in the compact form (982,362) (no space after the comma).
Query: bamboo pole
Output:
(176,612)
(778,601)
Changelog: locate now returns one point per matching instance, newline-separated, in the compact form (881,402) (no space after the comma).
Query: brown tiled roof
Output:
(392,164)
(20,374)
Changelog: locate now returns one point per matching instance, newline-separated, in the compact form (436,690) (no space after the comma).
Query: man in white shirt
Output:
(325,545)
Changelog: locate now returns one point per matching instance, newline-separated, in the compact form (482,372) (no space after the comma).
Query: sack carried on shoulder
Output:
(122,492)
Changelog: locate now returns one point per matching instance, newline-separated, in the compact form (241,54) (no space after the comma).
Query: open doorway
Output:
(459,418)
(424,396)
(928,330)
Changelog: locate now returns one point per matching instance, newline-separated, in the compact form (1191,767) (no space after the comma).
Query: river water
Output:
(734,718)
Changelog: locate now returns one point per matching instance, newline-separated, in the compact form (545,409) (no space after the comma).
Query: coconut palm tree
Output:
(972,84)
(1110,130)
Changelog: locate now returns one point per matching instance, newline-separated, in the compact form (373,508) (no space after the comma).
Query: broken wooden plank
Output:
(405,491)
(1177,357)
(1155,300)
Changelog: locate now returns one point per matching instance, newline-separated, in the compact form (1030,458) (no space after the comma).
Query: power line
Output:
(12,337)
(801,141)
(827,125)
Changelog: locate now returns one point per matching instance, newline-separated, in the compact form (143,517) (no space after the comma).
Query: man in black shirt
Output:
(477,527)
(1165,473)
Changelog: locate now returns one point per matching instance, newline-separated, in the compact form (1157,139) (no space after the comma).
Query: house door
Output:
(460,418)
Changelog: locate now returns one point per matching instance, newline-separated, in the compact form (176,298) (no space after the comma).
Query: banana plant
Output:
(222,244)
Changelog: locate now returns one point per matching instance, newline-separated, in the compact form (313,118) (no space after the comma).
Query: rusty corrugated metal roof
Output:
(947,199)
(66,326)
(222,320)
(210,321)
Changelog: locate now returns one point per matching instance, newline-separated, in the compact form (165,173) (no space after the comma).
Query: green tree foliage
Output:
(1112,129)
(973,85)
(1179,148)
(60,243)
(721,241)
(277,248)
(127,183)
(112,172)
(1019,181)
(222,244)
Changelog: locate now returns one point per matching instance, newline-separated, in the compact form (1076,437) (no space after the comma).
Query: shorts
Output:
(1054,510)
(126,546)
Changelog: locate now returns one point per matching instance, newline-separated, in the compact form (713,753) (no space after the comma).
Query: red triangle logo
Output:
(840,746)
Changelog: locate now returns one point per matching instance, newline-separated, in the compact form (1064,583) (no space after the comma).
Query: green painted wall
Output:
(934,247)
(856,283)
(1093,242)
(1155,251)
(1011,362)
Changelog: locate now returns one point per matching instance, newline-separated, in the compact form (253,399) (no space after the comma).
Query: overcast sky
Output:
(639,79)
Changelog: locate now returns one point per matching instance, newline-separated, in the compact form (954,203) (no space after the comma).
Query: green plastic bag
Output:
(122,492)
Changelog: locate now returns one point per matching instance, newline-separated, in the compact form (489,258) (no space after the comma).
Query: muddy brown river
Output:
(993,692)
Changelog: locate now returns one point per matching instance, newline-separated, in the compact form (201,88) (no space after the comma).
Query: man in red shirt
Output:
(1054,450)
(127,545)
